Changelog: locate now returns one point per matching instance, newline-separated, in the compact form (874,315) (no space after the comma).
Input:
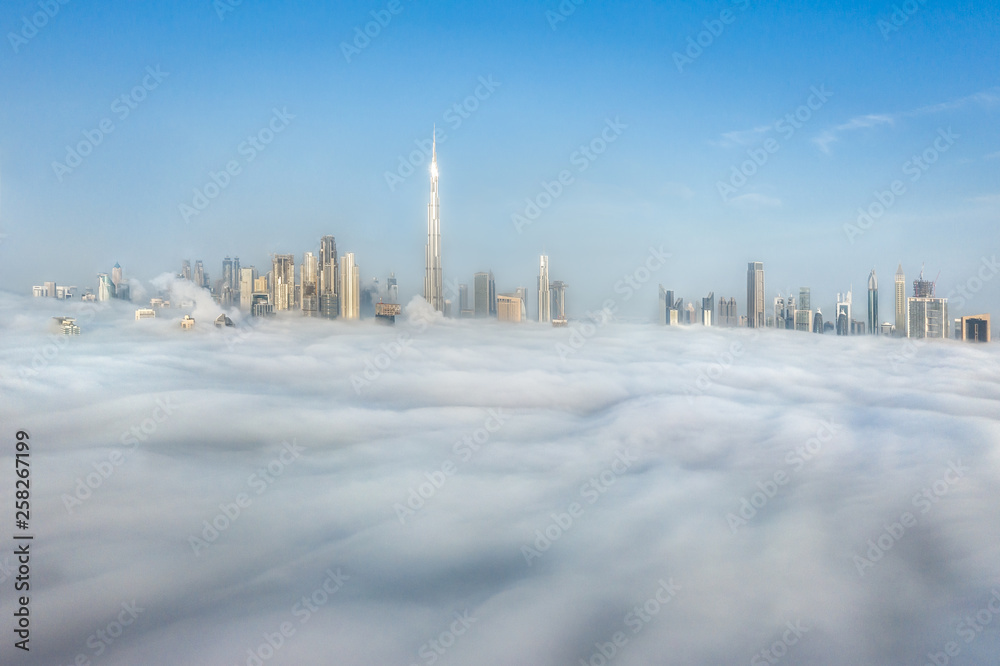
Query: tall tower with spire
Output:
(544,304)
(873,325)
(433,287)
(900,302)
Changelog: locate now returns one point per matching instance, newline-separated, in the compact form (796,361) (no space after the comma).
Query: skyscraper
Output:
(199,274)
(844,314)
(873,328)
(544,302)
(392,289)
(116,275)
(803,314)
(350,282)
(707,309)
(309,280)
(283,282)
(247,278)
(329,278)
(927,315)
(755,295)
(105,287)
(493,296)
(900,302)
(433,290)
(481,294)
(464,310)
(727,313)
(558,289)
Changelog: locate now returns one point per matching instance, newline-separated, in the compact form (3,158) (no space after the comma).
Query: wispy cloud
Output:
(830,136)
(754,201)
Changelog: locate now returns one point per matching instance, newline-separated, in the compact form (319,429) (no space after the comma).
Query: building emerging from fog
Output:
(755,295)
(927,315)
(975,328)
(481,295)
(510,307)
(309,280)
(873,323)
(433,281)
(844,314)
(283,282)
(544,304)
(558,290)
(350,282)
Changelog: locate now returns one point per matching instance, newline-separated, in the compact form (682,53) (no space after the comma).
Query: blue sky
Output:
(892,92)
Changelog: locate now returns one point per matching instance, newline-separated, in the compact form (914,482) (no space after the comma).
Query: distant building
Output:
(492,295)
(975,328)
(65,326)
(707,309)
(145,313)
(392,289)
(309,279)
(464,310)
(728,316)
(510,307)
(558,296)
(844,314)
(386,312)
(927,315)
(261,305)
(873,323)
(222,321)
(105,287)
(481,295)
(818,322)
(247,278)
(187,323)
(350,282)
(283,282)
(900,327)
(755,295)
(544,304)
(803,313)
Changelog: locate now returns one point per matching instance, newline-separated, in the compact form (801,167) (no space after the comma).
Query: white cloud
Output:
(755,200)
(826,138)
(902,416)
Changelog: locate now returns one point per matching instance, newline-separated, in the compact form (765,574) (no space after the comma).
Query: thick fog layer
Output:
(461,492)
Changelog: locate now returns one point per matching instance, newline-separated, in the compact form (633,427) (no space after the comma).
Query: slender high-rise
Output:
(350,283)
(544,302)
(433,288)
(755,295)
(900,302)
(329,278)
(873,326)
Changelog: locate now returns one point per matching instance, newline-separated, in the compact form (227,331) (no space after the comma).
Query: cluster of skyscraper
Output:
(922,315)
(325,286)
